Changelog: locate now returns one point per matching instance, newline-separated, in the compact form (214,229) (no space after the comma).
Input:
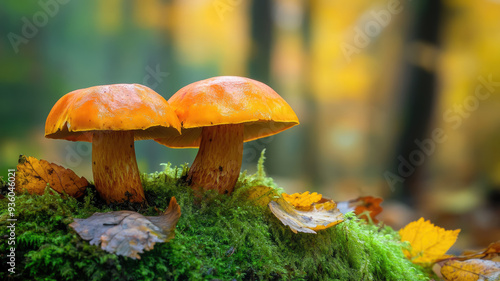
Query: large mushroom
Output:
(112,117)
(218,115)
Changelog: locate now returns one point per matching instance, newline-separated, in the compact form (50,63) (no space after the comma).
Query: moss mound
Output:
(225,237)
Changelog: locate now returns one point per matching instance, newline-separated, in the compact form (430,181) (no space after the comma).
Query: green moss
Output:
(224,237)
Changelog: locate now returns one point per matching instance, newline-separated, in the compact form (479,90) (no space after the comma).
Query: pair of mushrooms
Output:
(217,115)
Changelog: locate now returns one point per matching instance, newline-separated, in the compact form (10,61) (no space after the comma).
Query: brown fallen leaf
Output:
(429,243)
(367,207)
(471,270)
(492,252)
(33,175)
(128,233)
(321,215)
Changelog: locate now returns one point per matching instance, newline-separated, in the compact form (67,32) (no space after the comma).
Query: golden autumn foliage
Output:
(302,201)
(33,175)
(429,243)
(307,201)
(472,265)
(471,270)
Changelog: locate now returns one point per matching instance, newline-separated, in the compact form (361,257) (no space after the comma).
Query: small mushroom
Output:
(112,117)
(218,115)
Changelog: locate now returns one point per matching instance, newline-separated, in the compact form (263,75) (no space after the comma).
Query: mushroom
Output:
(218,115)
(112,117)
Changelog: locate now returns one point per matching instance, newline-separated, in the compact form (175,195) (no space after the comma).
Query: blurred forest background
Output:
(397,99)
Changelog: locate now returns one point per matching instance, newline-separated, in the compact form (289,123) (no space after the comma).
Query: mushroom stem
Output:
(218,162)
(116,175)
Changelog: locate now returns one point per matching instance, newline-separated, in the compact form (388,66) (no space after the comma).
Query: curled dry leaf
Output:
(301,212)
(367,207)
(429,243)
(33,175)
(128,233)
(474,269)
(319,215)
(492,252)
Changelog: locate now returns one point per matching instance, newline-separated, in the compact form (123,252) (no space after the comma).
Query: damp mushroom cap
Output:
(218,115)
(118,107)
(112,117)
(228,100)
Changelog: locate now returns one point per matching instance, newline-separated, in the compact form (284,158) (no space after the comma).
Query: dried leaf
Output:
(128,233)
(429,243)
(33,175)
(472,270)
(320,216)
(362,207)
(491,252)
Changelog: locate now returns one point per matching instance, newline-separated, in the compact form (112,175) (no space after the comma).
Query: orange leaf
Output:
(363,206)
(471,270)
(429,243)
(33,175)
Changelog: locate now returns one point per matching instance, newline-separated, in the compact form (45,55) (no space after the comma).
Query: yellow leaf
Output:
(326,205)
(428,242)
(471,270)
(302,201)
(33,175)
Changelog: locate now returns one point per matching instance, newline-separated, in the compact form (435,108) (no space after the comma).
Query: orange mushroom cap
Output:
(228,100)
(118,107)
